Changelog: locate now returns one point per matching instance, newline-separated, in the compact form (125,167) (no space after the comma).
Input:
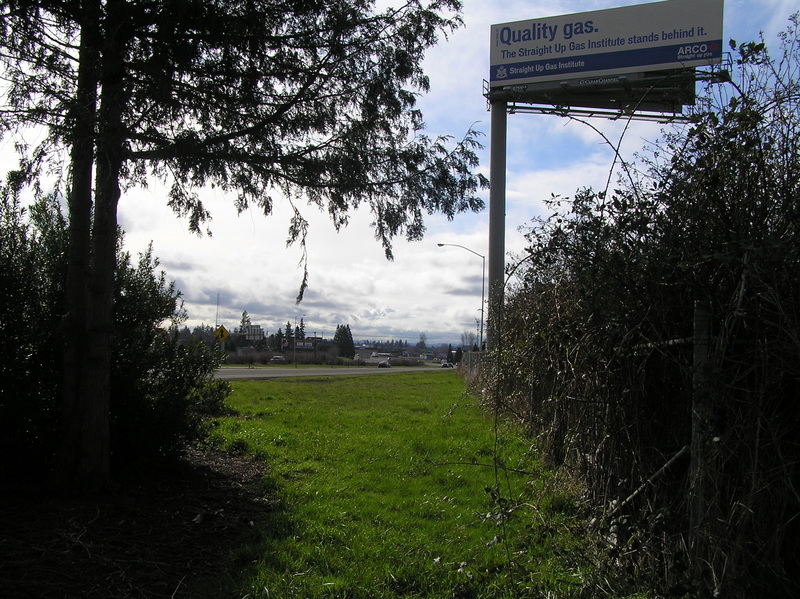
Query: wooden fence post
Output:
(702,438)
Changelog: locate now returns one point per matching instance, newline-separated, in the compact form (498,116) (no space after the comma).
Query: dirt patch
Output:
(177,535)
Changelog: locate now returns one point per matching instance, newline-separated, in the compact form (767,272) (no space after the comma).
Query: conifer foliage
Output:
(343,340)
(313,101)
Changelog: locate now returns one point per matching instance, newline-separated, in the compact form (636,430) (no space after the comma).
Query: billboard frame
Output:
(667,106)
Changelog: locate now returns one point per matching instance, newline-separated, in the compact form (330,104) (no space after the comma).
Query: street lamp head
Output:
(483,280)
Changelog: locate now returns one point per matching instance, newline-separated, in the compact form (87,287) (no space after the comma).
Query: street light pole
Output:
(483,281)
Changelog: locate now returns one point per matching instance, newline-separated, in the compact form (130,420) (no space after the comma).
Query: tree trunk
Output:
(85,459)
(82,122)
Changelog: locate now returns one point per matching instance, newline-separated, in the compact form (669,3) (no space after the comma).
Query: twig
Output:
(180,582)
(684,450)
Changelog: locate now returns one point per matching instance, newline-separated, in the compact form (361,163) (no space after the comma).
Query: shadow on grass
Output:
(189,532)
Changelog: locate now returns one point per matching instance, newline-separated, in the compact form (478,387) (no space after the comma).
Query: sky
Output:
(426,290)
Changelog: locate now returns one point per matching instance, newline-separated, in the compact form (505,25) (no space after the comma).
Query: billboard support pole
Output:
(497,217)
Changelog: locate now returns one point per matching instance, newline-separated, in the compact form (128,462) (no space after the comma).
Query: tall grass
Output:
(389,486)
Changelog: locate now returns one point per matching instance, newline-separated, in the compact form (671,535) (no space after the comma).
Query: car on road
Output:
(384,364)
(277,360)
(447,365)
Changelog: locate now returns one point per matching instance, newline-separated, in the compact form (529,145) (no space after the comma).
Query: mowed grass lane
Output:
(387,488)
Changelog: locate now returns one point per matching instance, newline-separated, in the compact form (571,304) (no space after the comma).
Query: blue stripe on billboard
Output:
(707,51)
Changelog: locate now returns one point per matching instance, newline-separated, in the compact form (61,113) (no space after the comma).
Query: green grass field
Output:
(388,487)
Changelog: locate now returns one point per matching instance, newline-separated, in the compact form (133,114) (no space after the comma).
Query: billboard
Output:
(668,35)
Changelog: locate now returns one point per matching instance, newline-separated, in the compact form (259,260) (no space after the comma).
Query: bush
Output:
(32,267)
(160,390)
(169,401)
(158,385)
(598,347)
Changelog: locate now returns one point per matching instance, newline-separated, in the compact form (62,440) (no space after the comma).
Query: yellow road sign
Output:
(221,333)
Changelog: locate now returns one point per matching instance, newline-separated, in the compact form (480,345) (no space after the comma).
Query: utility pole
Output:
(497,218)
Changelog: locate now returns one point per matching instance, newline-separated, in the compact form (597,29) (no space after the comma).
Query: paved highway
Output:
(273,372)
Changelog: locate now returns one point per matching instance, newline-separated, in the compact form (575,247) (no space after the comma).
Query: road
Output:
(274,372)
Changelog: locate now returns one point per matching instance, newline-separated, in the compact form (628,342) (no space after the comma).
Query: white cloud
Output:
(426,288)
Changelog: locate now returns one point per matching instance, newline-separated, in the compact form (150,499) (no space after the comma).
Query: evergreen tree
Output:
(245,322)
(350,344)
(423,341)
(343,340)
(337,339)
(316,100)
(278,340)
(204,333)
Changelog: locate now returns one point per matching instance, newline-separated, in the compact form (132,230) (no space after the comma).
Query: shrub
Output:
(32,265)
(160,389)
(158,385)
(599,353)
(168,402)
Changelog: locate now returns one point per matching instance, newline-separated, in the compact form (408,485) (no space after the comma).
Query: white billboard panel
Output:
(645,37)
